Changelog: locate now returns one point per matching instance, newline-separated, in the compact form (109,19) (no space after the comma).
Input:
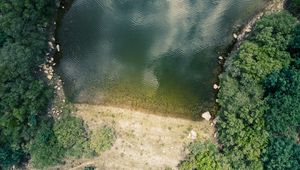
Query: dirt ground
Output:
(144,141)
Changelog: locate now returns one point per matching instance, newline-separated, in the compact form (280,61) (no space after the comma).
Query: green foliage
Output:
(23,97)
(294,7)
(283,89)
(204,156)
(102,139)
(283,119)
(44,149)
(71,135)
(89,168)
(243,126)
(282,154)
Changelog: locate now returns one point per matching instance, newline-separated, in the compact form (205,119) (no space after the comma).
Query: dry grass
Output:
(144,141)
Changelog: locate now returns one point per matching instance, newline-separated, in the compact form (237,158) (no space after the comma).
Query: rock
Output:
(58,48)
(235,36)
(192,135)
(51,45)
(248,30)
(221,58)
(215,135)
(215,121)
(206,116)
(49,77)
(216,87)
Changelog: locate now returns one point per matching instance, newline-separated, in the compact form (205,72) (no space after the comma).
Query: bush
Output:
(44,149)
(282,154)
(204,156)
(102,139)
(71,135)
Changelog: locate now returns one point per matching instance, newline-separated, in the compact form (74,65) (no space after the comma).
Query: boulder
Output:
(57,48)
(216,86)
(206,116)
(49,77)
(248,29)
(235,36)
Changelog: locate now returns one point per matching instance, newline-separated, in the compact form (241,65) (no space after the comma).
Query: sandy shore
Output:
(144,141)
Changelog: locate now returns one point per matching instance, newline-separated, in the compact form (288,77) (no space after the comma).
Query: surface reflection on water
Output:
(157,55)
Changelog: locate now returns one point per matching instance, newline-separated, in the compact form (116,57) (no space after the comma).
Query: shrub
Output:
(44,149)
(102,139)
(204,156)
(71,135)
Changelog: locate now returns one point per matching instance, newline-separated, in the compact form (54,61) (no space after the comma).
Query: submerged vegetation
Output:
(258,121)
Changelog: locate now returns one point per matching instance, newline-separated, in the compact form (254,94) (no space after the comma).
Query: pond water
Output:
(159,56)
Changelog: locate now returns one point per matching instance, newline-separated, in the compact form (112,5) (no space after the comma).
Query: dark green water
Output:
(154,55)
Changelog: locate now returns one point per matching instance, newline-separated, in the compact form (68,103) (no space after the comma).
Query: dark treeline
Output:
(23,96)
(26,131)
(258,122)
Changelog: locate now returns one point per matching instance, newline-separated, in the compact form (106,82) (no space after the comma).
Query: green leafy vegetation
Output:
(102,139)
(72,136)
(23,95)
(204,156)
(294,7)
(45,149)
(67,138)
(259,98)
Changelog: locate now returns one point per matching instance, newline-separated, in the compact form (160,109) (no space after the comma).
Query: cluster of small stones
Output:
(53,80)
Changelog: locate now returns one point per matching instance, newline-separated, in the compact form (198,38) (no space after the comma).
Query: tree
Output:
(44,149)
(71,135)
(204,156)
(282,154)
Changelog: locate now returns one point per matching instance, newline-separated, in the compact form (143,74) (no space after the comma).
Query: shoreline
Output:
(53,55)
(246,29)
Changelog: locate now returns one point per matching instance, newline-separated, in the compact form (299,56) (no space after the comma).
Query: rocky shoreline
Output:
(272,6)
(57,104)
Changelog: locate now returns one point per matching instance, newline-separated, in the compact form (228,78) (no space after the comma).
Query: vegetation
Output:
(259,98)
(294,7)
(23,95)
(204,156)
(102,139)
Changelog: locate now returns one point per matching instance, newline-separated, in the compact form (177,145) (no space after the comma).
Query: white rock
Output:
(57,48)
(235,36)
(49,77)
(221,58)
(206,116)
(248,30)
(50,45)
(216,87)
